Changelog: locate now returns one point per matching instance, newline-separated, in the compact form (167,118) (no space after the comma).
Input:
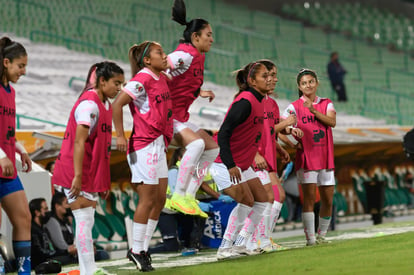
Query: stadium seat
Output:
(116,224)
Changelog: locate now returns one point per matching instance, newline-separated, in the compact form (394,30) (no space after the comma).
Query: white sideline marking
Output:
(174,259)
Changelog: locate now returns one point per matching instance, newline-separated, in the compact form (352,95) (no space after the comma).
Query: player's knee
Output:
(197,145)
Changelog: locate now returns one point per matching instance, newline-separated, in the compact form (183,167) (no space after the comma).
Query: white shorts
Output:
(324,177)
(264,177)
(221,175)
(178,126)
(94,196)
(149,164)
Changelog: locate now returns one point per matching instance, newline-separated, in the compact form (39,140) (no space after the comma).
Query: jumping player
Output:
(314,156)
(186,66)
(82,167)
(13,58)
(149,100)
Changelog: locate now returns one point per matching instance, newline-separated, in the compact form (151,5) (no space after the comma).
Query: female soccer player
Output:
(314,164)
(239,137)
(265,162)
(13,58)
(149,100)
(186,65)
(82,167)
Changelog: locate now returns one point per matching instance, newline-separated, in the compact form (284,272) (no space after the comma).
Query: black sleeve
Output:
(238,113)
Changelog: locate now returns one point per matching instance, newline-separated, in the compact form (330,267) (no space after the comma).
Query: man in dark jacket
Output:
(336,75)
(42,248)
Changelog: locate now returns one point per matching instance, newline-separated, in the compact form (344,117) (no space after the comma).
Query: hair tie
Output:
(250,71)
(13,44)
(143,53)
(92,80)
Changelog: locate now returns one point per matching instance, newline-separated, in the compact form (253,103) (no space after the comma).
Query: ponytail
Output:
(194,26)
(179,12)
(136,56)
(105,69)
(9,49)
(241,81)
(90,79)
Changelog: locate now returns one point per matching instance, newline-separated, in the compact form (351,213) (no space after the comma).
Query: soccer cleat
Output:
(194,204)
(225,253)
(321,240)
(149,261)
(181,204)
(140,260)
(277,247)
(242,250)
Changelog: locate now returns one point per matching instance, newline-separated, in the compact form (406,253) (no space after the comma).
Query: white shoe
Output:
(321,240)
(268,248)
(242,250)
(225,253)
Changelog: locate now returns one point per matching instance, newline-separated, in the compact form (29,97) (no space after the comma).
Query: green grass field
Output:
(383,249)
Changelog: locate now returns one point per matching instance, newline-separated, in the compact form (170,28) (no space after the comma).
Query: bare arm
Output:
(24,157)
(282,153)
(206,188)
(329,119)
(118,118)
(82,133)
(283,124)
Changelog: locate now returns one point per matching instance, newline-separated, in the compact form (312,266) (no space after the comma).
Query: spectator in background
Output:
(42,248)
(60,227)
(50,166)
(59,224)
(336,75)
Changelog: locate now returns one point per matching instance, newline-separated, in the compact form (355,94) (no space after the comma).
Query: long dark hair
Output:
(9,49)
(303,72)
(194,26)
(243,75)
(178,153)
(105,69)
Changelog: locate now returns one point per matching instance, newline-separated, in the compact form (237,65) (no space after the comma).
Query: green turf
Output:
(381,255)
(380,249)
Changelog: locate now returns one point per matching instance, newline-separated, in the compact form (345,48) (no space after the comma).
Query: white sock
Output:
(308,219)
(245,232)
(250,225)
(263,227)
(151,226)
(252,243)
(188,163)
(138,231)
(206,159)
(84,218)
(234,224)
(274,215)
(323,226)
